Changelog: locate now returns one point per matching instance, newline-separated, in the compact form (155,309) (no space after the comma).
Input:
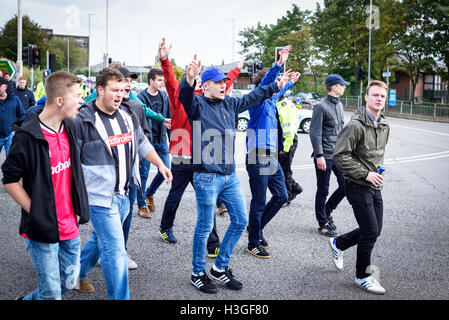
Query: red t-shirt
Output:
(62,174)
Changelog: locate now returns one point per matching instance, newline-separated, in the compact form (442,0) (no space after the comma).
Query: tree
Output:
(261,41)
(31,34)
(77,55)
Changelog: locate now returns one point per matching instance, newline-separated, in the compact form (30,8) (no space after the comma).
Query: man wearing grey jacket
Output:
(327,122)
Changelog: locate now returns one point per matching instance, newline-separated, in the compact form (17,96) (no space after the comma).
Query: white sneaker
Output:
(369,284)
(337,255)
(131,264)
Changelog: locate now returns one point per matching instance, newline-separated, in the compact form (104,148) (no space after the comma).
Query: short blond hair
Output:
(376,83)
(58,83)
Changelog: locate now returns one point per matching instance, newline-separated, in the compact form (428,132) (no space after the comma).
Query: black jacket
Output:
(29,159)
(26,96)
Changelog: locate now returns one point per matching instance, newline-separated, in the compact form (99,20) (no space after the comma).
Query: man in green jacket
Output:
(359,150)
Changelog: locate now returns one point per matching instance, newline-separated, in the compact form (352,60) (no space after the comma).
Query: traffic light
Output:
(360,74)
(109,61)
(52,62)
(250,68)
(26,55)
(36,56)
(278,56)
(257,66)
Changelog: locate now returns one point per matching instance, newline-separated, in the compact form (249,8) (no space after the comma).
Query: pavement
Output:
(410,257)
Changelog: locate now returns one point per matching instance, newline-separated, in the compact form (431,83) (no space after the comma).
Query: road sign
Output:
(8,67)
(392,97)
(386,74)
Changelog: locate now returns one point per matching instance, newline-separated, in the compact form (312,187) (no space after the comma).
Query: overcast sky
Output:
(204,27)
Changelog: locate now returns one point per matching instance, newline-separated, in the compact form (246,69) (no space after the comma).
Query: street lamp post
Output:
(88,48)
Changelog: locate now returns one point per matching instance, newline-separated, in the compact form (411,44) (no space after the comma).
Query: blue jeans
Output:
(57,267)
(208,187)
(144,168)
(260,212)
(6,142)
(323,209)
(132,194)
(107,242)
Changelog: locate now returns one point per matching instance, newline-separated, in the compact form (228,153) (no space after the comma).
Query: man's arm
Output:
(233,74)
(187,88)
(19,195)
(316,133)
(154,158)
(254,98)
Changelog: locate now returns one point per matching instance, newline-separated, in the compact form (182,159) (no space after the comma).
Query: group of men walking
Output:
(92,163)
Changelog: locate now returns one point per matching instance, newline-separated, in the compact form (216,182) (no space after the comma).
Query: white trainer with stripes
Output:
(370,285)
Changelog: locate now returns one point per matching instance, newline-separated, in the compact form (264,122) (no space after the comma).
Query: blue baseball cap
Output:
(335,79)
(213,74)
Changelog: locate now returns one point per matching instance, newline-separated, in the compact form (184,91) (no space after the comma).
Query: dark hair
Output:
(257,78)
(153,73)
(58,82)
(108,74)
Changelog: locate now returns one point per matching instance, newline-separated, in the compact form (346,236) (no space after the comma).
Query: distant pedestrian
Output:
(157,100)
(327,122)
(25,95)
(289,118)
(11,110)
(43,175)
(11,83)
(359,150)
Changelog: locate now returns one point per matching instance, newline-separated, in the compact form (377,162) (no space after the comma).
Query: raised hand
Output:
(240,66)
(163,50)
(193,70)
(284,55)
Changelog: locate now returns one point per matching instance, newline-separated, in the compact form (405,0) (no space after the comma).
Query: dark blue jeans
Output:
(182,176)
(260,212)
(144,168)
(323,209)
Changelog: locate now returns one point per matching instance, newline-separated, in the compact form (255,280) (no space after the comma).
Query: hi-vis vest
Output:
(289,118)
(40,91)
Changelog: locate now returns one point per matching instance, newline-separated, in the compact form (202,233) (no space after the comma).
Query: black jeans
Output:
(286,160)
(368,210)
(323,209)
(182,175)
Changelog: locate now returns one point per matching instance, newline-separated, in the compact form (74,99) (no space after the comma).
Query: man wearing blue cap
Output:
(212,119)
(327,122)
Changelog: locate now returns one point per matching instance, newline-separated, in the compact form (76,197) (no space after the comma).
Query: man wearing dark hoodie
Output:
(11,110)
(358,152)
(43,175)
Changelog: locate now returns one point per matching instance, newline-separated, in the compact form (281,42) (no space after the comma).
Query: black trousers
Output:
(367,204)
(286,160)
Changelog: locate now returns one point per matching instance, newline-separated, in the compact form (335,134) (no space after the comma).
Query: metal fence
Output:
(405,109)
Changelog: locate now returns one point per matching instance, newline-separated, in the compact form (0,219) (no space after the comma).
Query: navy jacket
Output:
(11,110)
(26,96)
(213,125)
(144,96)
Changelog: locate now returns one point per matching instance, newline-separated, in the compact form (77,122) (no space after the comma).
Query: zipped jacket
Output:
(29,160)
(96,155)
(327,122)
(360,147)
(11,110)
(213,125)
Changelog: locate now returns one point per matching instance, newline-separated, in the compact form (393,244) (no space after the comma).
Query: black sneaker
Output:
(331,223)
(263,242)
(203,283)
(259,252)
(327,230)
(227,278)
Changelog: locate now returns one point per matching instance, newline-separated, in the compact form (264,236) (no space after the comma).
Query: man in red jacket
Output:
(180,149)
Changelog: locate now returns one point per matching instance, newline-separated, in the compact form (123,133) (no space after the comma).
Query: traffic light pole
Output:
(19,63)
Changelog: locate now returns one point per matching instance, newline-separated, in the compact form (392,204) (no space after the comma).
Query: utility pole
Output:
(68,54)
(369,53)
(107,32)
(19,63)
(88,48)
(233,34)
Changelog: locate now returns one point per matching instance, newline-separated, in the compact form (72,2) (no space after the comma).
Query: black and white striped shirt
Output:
(118,128)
